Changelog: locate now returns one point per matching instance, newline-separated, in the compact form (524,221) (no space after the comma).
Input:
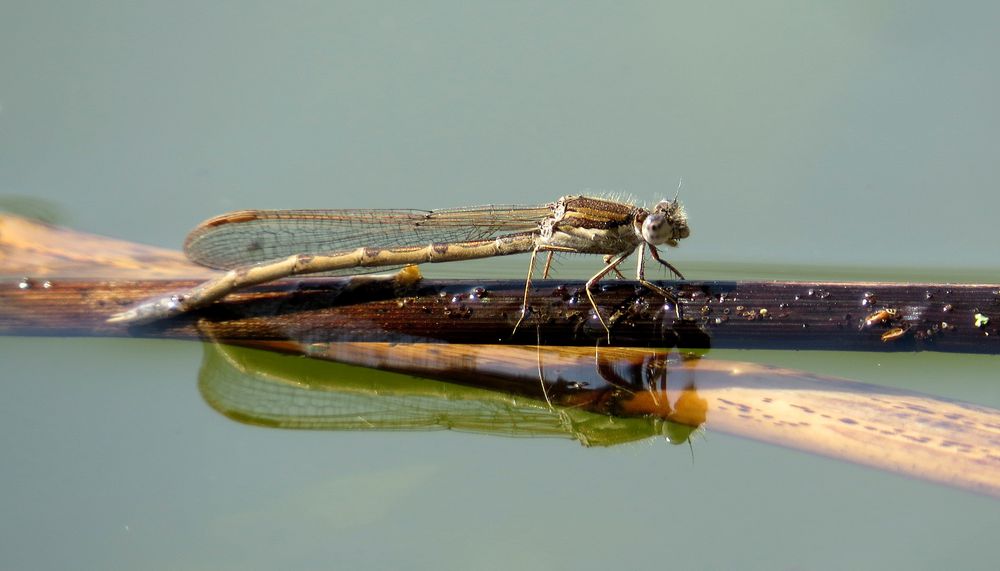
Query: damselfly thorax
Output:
(258,246)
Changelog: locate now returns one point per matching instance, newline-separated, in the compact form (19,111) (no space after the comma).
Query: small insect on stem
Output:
(893,334)
(259,246)
(881,317)
(887,318)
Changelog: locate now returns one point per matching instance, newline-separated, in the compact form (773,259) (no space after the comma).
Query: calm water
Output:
(108,446)
(853,141)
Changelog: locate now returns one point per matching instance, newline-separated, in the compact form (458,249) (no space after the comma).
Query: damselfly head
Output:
(665,224)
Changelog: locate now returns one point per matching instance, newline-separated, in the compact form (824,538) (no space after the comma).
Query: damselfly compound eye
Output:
(653,229)
(666,224)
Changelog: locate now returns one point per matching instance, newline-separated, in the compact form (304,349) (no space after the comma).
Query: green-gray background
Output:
(857,132)
(860,134)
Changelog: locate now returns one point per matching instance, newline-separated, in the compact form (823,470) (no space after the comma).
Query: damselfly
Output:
(259,246)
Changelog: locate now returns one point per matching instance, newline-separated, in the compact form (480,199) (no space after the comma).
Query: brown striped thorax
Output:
(599,226)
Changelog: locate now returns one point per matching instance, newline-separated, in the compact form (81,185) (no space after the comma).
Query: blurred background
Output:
(861,135)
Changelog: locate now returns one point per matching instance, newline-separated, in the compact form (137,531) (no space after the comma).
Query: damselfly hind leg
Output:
(527,289)
(531,270)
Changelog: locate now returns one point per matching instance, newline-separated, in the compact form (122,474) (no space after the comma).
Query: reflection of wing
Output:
(252,236)
(268,389)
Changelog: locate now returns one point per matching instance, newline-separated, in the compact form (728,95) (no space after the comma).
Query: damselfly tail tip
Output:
(122,317)
(148,311)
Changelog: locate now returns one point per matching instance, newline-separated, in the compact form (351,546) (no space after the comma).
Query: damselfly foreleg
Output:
(656,256)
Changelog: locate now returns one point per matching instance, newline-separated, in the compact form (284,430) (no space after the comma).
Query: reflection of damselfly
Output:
(260,246)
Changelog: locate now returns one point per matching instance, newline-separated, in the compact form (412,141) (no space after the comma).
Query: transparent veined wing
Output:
(250,237)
